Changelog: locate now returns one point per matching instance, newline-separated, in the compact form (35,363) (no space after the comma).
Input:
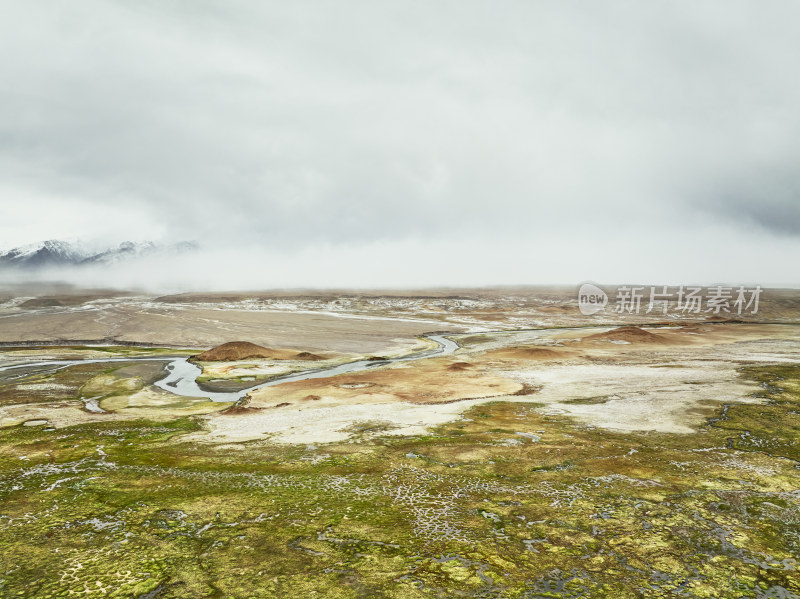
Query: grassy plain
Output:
(567,464)
(473,509)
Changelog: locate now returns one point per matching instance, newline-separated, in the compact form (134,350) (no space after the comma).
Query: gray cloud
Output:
(291,127)
(765,196)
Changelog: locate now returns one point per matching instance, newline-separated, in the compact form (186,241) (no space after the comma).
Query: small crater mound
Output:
(719,319)
(716,318)
(628,334)
(531,353)
(459,366)
(235,350)
(304,355)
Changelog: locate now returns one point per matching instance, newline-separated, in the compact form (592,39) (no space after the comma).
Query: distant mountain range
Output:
(55,253)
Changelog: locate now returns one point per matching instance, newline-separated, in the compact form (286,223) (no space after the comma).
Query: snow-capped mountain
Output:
(125,251)
(57,253)
(45,253)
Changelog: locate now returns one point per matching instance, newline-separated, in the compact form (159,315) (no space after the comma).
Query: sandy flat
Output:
(204,328)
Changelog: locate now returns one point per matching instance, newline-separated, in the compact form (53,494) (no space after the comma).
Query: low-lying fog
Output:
(560,257)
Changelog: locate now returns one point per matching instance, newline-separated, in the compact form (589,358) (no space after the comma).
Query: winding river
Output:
(181,378)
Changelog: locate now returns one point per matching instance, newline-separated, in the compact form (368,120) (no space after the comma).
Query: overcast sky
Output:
(410,143)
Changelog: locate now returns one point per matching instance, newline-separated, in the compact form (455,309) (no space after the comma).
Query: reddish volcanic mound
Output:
(459,366)
(630,334)
(239,350)
(528,353)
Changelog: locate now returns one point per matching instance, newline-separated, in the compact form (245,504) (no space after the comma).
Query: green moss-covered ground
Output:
(475,509)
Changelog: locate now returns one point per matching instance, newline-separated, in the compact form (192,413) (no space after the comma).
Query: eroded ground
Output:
(669,383)
(602,462)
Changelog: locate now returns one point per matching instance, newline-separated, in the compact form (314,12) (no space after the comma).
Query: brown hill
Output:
(458,366)
(718,318)
(242,350)
(630,334)
(304,355)
(528,353)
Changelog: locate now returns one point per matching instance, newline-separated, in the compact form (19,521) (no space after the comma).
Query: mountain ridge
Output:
(55,253)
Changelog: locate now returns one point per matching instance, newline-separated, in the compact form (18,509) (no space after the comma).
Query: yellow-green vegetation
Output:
(126,390)
(505,503)
(234,376)
(123,379)
(63,396)
(45,383)
(152,403)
